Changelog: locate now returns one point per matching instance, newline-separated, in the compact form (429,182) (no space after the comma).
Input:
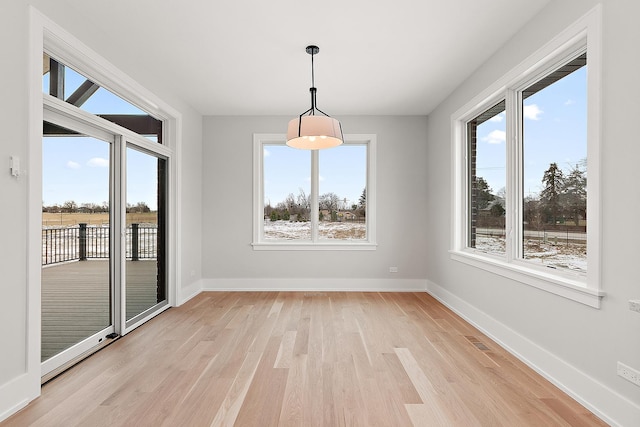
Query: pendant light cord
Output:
(313,87)
(313,84)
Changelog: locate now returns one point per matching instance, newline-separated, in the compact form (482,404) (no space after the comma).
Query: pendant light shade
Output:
(314,133)
(309,131)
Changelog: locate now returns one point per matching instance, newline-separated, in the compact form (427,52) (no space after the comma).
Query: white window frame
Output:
(259,243)
(584,35)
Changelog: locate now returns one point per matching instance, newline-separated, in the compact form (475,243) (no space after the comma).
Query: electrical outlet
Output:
(393,269)
(634,305)
(628,373)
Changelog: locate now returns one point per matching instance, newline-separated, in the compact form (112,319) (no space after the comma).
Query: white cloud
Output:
(495,137)
(532,112)
(265,152)
(98,162)
(321,178)
(569,102)
(73,165)
(497,118)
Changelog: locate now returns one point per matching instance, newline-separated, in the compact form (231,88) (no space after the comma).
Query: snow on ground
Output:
(285,230)
(571,256)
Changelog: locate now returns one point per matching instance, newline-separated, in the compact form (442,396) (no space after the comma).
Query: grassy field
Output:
(67,219)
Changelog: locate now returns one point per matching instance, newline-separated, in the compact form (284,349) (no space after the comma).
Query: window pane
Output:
(343,193)
(487,180)
(76,295)
(76,89)
(287,189)
(554,164)
(145,283)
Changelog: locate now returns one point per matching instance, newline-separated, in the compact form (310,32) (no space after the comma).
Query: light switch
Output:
(15,166)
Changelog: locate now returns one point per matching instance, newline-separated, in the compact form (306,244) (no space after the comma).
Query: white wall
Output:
(575,345)
(229,261)
(17,385)
(13,193)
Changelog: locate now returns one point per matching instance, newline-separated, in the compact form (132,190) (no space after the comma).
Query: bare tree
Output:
(290,202)
(329,201)
(303,199)
(69,206)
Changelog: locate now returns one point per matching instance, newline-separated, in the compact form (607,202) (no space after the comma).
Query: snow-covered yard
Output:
(285,230)
(565,255)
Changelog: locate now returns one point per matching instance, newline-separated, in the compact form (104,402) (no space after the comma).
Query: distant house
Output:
(325,215)
(346,215)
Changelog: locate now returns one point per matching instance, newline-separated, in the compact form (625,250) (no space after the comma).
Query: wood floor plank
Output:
(292,411)
(303,359)
(263,403)
(228,412)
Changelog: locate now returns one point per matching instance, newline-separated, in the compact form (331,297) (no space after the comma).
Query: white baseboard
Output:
(604,402)
(16,394)
(311,284)
(189,292)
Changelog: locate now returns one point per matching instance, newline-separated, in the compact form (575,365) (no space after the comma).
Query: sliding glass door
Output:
(103,236)
(77,283)
(145,217)
(105,199)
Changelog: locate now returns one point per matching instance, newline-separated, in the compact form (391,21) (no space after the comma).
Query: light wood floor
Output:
(303,359)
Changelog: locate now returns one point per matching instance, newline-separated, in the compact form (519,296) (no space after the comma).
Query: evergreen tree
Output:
(497,210)
(362,203)
(483,193)
(553,180)
(574,195)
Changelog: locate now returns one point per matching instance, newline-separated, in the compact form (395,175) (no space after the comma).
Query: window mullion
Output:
(118,228)
(513,217)
(315,187)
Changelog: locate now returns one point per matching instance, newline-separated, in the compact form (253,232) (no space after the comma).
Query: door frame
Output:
(47,36)
(63,114)
(87,345)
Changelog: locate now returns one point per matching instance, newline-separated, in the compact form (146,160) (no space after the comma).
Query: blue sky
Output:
(342,171)
(555,130)
(77,168)
(101,102)
(74,168)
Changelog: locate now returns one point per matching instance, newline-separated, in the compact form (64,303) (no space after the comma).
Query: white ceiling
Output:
(247,57)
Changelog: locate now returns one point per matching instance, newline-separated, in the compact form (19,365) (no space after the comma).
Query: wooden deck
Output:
(76,299)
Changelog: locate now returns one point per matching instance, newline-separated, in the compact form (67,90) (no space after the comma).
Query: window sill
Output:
(572,289)
(309,246)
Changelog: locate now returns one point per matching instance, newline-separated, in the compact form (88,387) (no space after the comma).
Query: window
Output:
(63,82)
(486,136)
(521,156)
(287,191)
(554,161)
(323,199)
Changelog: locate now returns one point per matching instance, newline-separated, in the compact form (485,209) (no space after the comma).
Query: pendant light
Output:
(310,131)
